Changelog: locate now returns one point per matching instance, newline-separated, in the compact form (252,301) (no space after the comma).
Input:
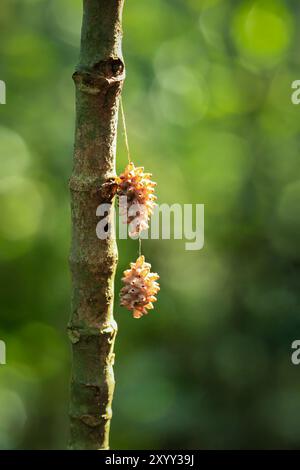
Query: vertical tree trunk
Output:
(92,329)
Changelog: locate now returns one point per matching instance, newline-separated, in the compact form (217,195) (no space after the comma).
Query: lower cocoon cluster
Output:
(140,287)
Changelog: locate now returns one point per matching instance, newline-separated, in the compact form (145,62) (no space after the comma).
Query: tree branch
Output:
(98,79)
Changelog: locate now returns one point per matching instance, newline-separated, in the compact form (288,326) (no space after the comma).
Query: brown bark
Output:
(98,79)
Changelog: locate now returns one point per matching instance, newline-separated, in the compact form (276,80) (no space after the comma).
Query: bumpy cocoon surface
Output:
(138,188)
(140,287)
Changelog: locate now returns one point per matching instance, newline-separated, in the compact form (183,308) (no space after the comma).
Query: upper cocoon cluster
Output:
(138,188)
(140,287)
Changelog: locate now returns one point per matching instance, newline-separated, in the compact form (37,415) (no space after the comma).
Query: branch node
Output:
(100,76)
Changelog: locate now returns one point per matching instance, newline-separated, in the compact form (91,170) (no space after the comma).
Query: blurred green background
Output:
(209,112)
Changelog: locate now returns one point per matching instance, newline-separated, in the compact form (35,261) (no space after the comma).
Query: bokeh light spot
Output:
(21,207)
(262,30)
(12,419)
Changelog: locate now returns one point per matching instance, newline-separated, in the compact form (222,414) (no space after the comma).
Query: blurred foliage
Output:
(208,106)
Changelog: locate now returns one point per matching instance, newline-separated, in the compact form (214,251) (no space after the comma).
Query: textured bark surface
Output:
(98,79)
